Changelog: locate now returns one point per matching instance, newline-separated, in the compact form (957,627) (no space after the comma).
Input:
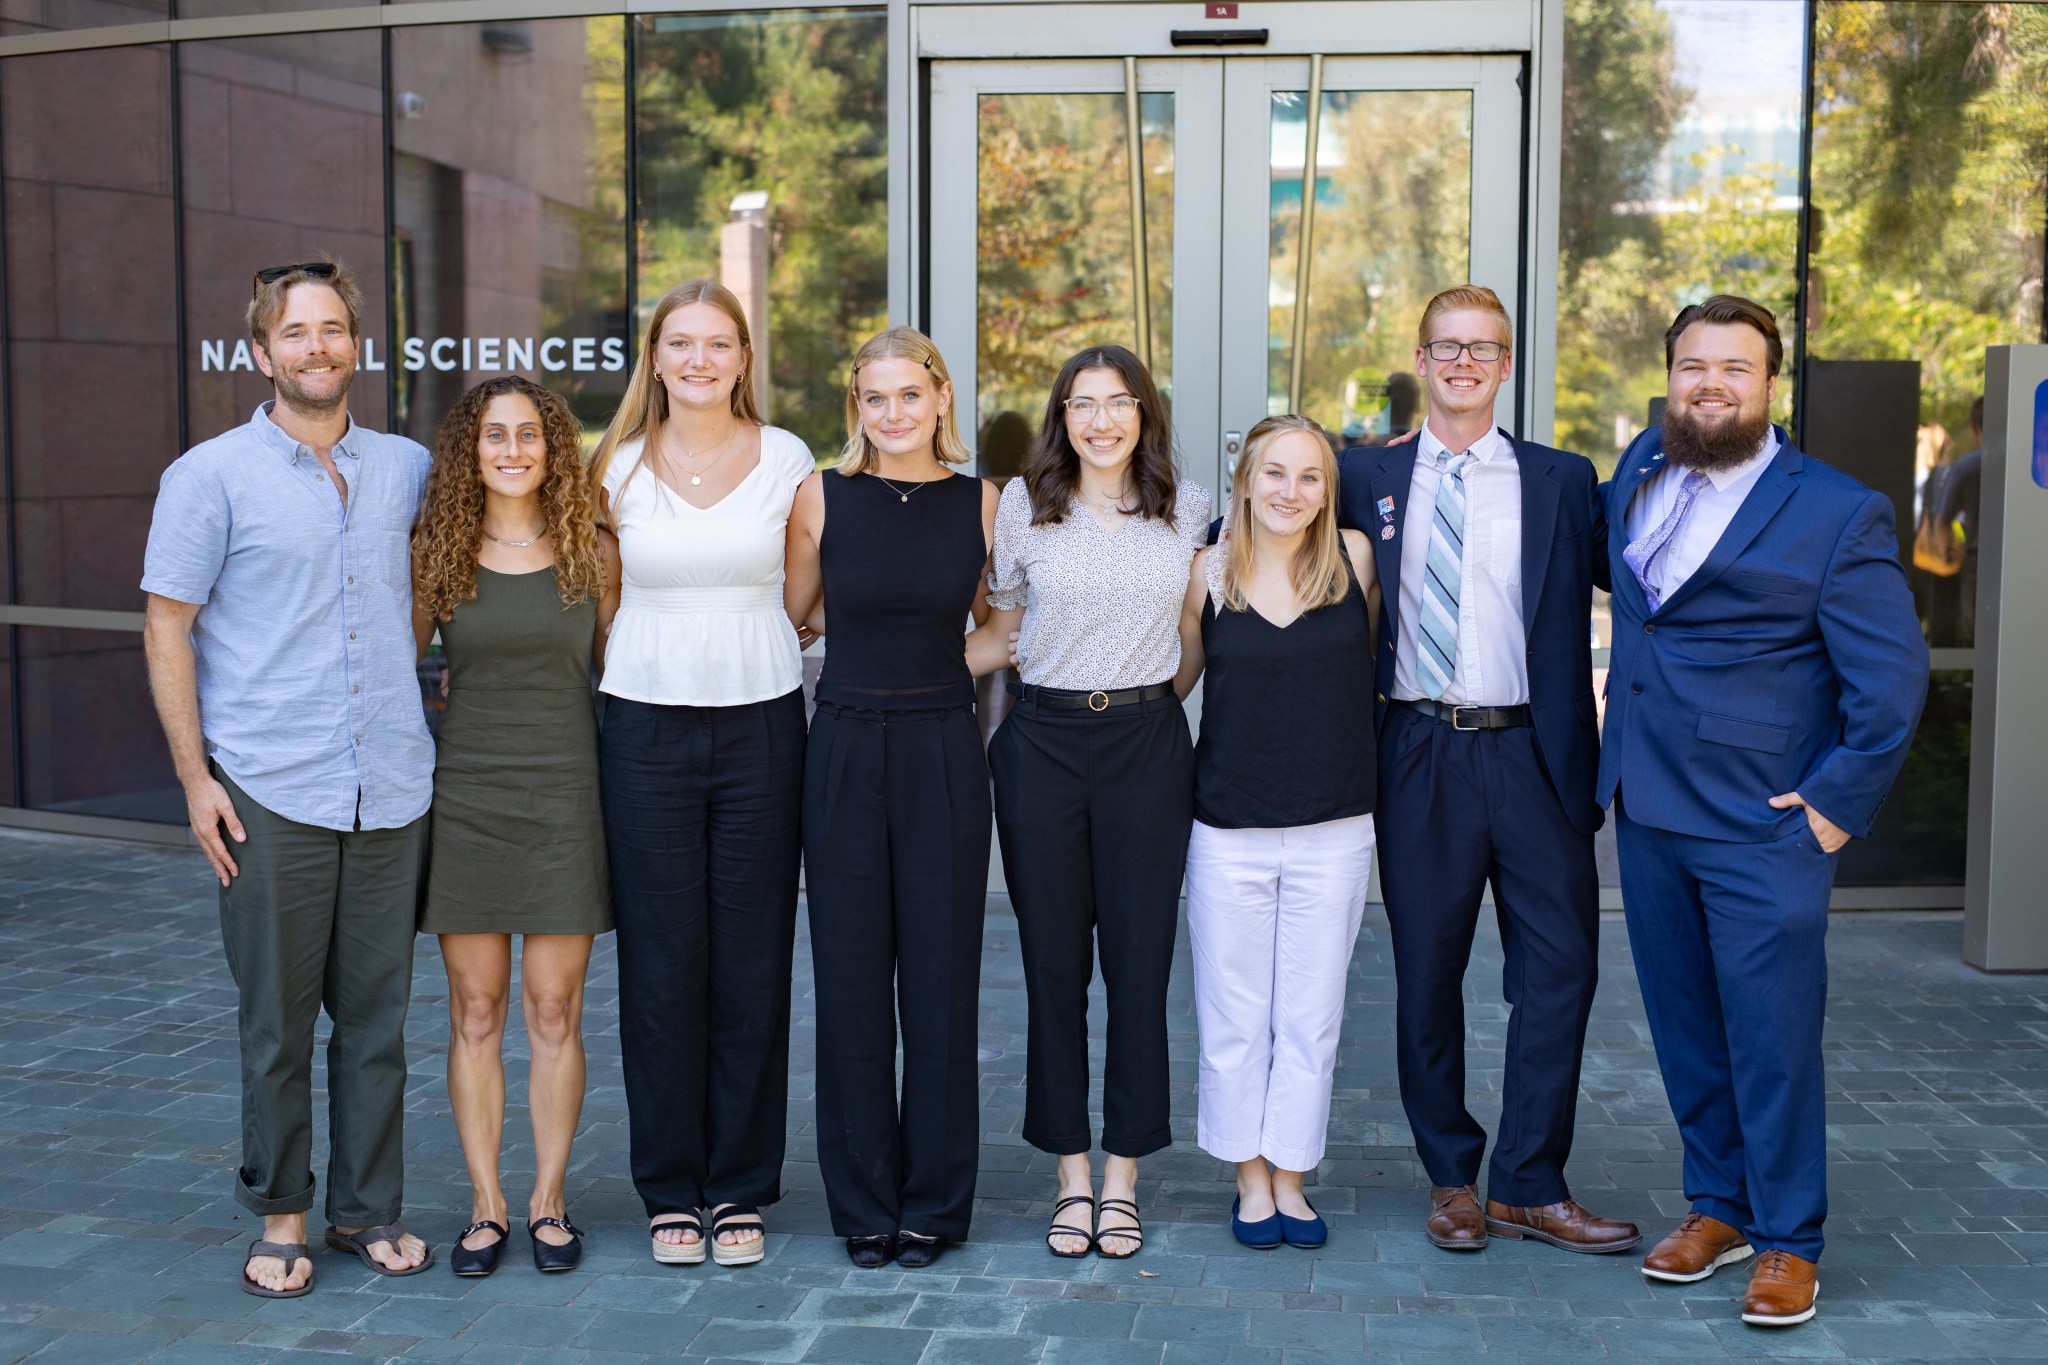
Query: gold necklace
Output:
(697,476)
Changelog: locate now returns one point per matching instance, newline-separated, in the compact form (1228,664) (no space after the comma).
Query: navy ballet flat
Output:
(1263,1235)
(1306,1233)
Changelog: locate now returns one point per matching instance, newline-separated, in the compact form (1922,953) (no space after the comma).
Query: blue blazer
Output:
(1791,661)
(1564,554)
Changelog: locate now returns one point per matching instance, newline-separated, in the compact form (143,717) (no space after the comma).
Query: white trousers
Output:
(1272,918)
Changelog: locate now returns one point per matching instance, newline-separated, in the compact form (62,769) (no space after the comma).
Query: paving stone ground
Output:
(119,1242)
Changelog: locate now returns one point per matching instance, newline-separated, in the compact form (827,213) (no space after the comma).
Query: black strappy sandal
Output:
(872,1253)
(1135,1233)
(915,1251)
(1087,1234)
(476,1262)
(547,1255)
(737,1218)
(678,1253)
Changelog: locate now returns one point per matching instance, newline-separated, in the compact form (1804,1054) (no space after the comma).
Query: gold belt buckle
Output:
(1098,701)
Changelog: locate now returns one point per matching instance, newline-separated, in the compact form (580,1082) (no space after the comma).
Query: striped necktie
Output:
(1436,634)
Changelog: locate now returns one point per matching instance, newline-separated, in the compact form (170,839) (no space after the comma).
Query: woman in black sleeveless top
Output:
(1283,835)
(889,551)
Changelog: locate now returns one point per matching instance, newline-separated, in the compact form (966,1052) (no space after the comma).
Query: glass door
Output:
(1416,185)
(1043,240)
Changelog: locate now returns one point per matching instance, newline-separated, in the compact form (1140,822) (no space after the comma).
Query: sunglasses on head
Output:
(319,270)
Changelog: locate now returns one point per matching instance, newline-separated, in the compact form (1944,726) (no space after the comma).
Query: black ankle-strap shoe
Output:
(548,1256)
(476,1262)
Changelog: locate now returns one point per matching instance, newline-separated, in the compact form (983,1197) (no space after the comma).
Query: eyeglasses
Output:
(1121,409)
(1481,350)
(319,270)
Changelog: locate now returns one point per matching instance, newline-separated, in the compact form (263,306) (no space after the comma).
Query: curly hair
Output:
(450,530)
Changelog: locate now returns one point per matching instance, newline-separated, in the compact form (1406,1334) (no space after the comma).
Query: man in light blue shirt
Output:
(280,646)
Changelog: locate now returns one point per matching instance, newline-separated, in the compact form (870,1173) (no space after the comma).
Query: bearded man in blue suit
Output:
(1765,680)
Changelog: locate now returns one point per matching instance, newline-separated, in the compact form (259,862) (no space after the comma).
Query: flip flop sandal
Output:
(289,1253)
(678,1253)
(1134,1234)
(1087,1234)
(738,1218)
(361,1242)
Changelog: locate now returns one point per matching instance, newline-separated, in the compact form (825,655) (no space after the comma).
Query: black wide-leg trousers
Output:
(701,810)
(896,836)
(1093,811)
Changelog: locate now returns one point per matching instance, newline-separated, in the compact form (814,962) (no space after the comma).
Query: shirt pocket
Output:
(1503,558)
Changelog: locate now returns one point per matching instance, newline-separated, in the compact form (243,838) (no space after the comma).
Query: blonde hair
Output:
(898,343)
(1451,300)
(1318,573)
(266,303)
(645,406)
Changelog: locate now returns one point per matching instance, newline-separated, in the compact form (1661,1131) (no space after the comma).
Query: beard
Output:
(1711,446)
(295,396)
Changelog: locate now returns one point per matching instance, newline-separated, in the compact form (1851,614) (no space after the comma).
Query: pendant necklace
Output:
(697,476)
(516,544)
(901,496)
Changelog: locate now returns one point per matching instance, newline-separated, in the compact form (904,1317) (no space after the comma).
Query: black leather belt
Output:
(1470,717)
(1064,699)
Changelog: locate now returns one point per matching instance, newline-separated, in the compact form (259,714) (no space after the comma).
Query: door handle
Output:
(1233,446)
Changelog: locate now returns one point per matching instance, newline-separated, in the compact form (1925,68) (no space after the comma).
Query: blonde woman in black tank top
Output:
(1284,607)
(888,551)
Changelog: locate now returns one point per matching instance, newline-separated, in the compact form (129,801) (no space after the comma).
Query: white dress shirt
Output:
(1712,510)
(1492,664)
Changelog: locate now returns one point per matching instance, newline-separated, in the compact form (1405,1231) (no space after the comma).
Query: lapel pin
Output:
(1386,532)
(1387,506)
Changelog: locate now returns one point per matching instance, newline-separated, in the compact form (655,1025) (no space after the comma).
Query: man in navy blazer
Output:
(1488,549)
(1766,676)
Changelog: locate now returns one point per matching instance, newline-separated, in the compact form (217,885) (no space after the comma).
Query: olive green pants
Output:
(319,917)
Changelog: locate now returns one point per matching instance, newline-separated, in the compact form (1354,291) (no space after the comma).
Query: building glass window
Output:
(761,159)
(283,159)
(508,202)
(1930,162)
(1680,179)
(44,16)
(90,742)
(92,334)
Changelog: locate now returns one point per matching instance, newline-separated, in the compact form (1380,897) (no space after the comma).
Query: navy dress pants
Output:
(1457,810)
(1730,948)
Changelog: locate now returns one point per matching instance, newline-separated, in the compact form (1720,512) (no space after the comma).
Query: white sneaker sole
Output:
(1765,1320)
(1729,1257)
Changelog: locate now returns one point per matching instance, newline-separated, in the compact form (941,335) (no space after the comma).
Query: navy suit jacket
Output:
(1564,553)
(1791,660)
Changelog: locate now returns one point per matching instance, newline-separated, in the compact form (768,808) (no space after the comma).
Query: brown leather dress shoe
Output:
(1455,1223)
(1695,1249)
(1563,1224)
(1782,1289)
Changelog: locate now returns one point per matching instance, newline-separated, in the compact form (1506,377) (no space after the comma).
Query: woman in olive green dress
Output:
(510,566)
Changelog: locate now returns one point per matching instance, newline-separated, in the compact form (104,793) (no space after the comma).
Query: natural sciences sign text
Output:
(470,355)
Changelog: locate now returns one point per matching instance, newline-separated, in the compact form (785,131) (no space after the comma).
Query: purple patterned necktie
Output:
(1640,554)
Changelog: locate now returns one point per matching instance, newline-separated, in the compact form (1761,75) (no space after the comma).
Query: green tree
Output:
(793,103)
